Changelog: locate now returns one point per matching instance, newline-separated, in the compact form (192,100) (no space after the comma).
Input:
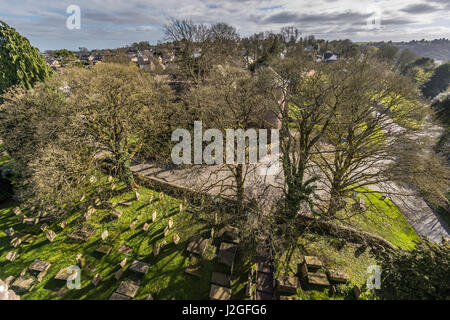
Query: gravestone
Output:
(11,256)
(176,238)
(166,231)
(82,234)
(149,297)
(161,195)
(110,178)
(44,227)
(128,289)
(227,253)
(137,195)
(113,186)
(163,243)
(318,279)
(154,216)
(198,246)
(105,235)
(156,249)
(22,285)
(63,224)
(124,262)
(119,273)
(221,279)
(287,284)
(39,266)
(116,213)
(118,296)
(139,267)
(181,207)
(170,225)
(146,227)
(10,232)
(15,242)
(133,224)
(96,280)
(124,249)
(313,263)
(17,211)
(30,221)
(51,235)
(104,249)
(338,275)
(219,293)
(64,274)
(356,291)
(230,233)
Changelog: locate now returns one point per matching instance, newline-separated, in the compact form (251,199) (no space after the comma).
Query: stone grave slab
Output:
(39,266)
(287,284)
(82,234)
(230,233)
(96,280)
(127,288)
(15,242)
(194,271)
(124,249)
(227,253)
(318,279)
(64,274)
(118,296)
(221,279)
(219,293)
(198,246)
(338,275)
(313,262)
(139,267)
(10,232)
(260,295)
(104,249)
(11,256)
(22,284)
(264,282)
(119,273)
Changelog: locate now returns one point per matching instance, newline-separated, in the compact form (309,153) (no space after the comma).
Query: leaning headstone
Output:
(181,207)
(96,280)
(154,216)
(149,297)
(124,249)
(124,262)
(63,224)
(119,273)
(166,231)
(116,213)
(16,242)
(10,232)
(9,280)
(105,235)
(176,239)
(133,224)
(356,291)
(113,186)
(44,227)
(137,195)
(170,225)
(17,211)
(156,249)
(219,293)
(163,243)
(11,256)
(146,227)
(110,179)
(51,235)
(139,267)
(128,289)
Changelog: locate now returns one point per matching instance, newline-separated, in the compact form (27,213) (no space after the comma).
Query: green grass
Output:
(166,278)
(383,218)
(334,254)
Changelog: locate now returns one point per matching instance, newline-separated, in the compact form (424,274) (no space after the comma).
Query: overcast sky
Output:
(114,23)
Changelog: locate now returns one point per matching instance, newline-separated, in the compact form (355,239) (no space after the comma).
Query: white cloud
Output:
(112,23)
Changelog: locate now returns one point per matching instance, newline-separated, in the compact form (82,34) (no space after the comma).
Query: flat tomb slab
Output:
(198,247)
(260,295)
(139,267)
(287,284)
(313,262)
(82,234)
(64,274)
(264,282)
(219,293)
(118,296)
(104,249)
(227,252)
(221,279)
(318,279)
(128,288)
(39,266)
(22,285)
(338,275)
